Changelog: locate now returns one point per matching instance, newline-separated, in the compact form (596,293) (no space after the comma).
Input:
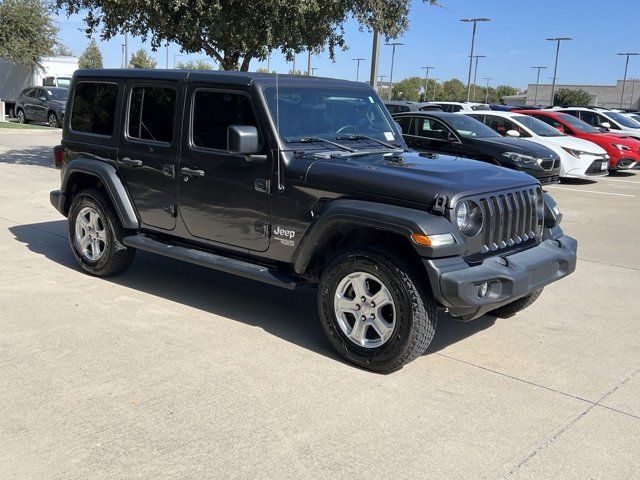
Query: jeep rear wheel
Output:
(375,309)
(95,235)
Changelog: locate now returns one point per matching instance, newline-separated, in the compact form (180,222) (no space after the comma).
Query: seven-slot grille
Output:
(510,218)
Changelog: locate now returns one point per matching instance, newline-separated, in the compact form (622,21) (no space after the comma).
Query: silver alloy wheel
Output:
(91,235)
(20,116)
(365,310)
(53,120)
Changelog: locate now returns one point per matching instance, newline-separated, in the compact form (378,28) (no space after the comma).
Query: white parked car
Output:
(454,107)
(606,120)
(579,158)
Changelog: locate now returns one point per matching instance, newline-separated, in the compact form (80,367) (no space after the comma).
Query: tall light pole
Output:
(380,79)
(555,67)
(175,55)
(435,88)
(124,58)
(166,57)
(426,80)
(486,92)
(535,99)
(313,70)
(393,56)
(626,66)
(375,57)
(358,60)
(473,42)
(309,63)
(475,74)
(126,50)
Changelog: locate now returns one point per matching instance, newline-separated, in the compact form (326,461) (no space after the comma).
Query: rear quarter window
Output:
(94,108)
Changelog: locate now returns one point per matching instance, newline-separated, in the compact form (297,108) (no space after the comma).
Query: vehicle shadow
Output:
(290,315)
(577,181)
(38,156)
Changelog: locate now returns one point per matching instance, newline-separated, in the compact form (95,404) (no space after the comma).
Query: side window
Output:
(392,108)
(513,126)
(403,108)
(496,124)
(214,112)
(602,119)
(554,123)
(591,118)
(152,113)
(430,128)
(455,108)
(405,125)
(94,108)
(575,113)
(38,92)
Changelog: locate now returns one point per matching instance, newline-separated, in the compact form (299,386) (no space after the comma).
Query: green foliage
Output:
(264,70)
(502,91)
(452,91)
(408,89)
(569,97)
(194,65)
(91,57)
(141,59)
(295,72)
(231,31)
(61,50)
(27,32)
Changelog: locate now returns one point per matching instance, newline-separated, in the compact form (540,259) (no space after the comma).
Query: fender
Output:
(389,218)
(108,176)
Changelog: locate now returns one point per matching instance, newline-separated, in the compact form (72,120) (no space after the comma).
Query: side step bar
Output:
(259,273)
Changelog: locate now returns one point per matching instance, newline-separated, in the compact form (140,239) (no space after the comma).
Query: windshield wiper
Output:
(357,136)
(318,139)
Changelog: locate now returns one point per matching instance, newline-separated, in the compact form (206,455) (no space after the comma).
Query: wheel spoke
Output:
(382,298)
(85,241)
(358,331)
(382,328)
(343,304)
(359,284)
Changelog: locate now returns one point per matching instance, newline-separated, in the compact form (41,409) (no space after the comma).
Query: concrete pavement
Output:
(175,371)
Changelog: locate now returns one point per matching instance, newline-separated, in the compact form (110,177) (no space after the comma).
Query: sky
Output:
(513,42)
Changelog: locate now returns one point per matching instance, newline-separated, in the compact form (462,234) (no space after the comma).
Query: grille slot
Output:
(510,218)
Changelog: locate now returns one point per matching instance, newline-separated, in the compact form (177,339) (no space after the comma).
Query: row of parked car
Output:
(549,144)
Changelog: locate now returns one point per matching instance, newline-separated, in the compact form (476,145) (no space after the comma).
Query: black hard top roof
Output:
(217,76)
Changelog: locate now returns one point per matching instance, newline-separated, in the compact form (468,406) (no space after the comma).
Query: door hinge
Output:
(440,204)
(169,170)
(262,185)
(263,230)
(171,210)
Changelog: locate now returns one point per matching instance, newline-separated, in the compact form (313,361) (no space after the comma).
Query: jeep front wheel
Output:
(95,235)
(375,309)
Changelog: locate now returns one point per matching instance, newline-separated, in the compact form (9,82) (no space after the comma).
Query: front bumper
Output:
(456,285)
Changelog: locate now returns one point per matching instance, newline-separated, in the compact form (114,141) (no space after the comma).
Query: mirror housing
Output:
(42,98)
(560,128)
(513,133)
(606,126)
(242,139)
(447,136)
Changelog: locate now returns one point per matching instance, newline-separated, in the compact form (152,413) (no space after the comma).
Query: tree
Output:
(194,65)
(141,59)
(27,32)
(452,91)
(91,57)
(570,97)
(407,89)
(61,50)
(231,31)
(502,91)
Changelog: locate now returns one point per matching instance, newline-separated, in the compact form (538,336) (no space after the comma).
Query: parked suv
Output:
(42,104)
(298,181)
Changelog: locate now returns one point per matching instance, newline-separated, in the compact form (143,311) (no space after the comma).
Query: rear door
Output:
(39,106)
(149,149)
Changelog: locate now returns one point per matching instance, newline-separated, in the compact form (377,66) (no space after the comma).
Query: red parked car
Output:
(624,152)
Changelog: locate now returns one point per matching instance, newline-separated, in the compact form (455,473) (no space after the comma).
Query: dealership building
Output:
(601,95)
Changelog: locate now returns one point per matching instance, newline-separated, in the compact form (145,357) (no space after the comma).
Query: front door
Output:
(432,135)
(221,195)
(148,153)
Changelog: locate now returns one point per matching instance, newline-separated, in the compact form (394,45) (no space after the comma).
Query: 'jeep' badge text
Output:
(284,236)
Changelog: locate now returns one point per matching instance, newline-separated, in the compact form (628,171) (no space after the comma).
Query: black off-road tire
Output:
(116,257)
(510,309)
(416,315)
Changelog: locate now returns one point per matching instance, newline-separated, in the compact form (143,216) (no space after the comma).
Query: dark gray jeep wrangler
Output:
(298,181)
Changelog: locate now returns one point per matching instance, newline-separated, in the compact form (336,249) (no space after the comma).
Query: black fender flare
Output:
(389,218)
(108,176)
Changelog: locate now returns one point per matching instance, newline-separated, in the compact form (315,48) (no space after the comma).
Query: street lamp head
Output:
(559,39)
(479,56)
(539,67)
(358,59)
(479,19)
(394,44)
(628,53)
(427,68)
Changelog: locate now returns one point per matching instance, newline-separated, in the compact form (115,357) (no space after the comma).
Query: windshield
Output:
(329,113)
(622,120)
(577,124)
(635,117)
(538,127)
(470,127)
(64,81)
(57,94)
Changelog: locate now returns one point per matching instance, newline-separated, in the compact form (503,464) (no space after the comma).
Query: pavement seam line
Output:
(582,259)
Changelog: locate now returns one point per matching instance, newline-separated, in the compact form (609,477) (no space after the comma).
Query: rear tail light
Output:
(57,156)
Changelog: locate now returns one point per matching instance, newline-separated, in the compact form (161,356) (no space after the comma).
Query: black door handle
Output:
(130,162)
(191,172)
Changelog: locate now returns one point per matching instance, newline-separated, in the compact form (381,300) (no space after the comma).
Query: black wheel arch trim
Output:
(108,176)
(377,216)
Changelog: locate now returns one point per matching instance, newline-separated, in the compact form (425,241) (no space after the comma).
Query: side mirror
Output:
(242,139)
(560,128)
(513,133)
(42,98)
(447,136)
(606,126)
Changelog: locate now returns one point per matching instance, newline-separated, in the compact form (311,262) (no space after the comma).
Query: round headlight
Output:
(469,218)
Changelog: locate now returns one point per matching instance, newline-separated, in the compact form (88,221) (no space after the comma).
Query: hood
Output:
(621,139)
(517,145)
(418,178)
(574,143)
